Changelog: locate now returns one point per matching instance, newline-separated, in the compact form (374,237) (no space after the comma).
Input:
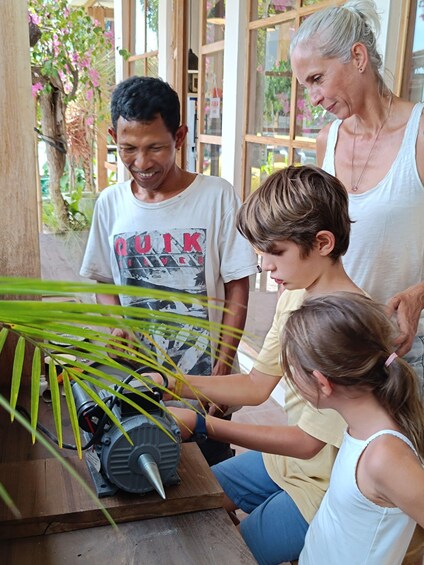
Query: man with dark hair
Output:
(170,229)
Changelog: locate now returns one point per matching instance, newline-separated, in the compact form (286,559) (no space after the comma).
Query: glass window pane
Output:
(145,67)
(265,8)
(215,20)
(146,26)
(311,2)
(309,119)
(139,46)
(152,66)
(152,15)
(304,157)
(415,81)
(262,161)
(211,160)
(270,85)
(138,68)
(214,70)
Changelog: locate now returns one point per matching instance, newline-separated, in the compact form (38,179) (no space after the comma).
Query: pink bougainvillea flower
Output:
(89,121)
(34,19)
(282,4)
(36,88)
(94,77)
(90,94)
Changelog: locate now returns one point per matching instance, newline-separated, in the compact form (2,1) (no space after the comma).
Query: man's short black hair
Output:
(144,98)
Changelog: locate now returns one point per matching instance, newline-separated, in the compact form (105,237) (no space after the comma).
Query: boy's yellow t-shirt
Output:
(305,481)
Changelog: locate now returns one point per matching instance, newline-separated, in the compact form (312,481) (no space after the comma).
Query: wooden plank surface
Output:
(50,501)
(197,538)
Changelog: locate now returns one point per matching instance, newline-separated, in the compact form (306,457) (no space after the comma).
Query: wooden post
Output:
(181,66)
(19,244)
(98,13)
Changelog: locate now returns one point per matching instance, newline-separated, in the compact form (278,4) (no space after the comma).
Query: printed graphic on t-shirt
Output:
(172,260)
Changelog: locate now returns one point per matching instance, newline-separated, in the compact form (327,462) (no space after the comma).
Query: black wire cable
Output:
(96,435)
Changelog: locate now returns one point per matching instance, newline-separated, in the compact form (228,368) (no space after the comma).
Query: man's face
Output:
(148,151)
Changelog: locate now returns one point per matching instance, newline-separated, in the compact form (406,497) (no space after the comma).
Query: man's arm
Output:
(236,299)
(113,300)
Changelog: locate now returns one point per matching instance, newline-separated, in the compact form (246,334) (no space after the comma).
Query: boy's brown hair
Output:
(295,204)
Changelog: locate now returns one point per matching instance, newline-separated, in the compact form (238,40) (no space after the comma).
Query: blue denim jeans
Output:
(275,529)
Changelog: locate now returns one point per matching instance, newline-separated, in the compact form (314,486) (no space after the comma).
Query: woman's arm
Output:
(407,305)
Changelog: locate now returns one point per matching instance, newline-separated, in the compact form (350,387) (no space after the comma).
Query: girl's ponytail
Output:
(349,339)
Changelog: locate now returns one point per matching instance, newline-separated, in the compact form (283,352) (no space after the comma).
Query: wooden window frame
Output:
(291,141)
(204,50)
(147,54)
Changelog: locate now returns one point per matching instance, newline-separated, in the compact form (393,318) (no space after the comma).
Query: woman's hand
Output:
(407,306)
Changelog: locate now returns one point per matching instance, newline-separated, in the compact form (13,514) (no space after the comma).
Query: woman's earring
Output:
(360,69)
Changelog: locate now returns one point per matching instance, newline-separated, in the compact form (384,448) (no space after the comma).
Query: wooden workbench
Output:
(189,527)
(206,537)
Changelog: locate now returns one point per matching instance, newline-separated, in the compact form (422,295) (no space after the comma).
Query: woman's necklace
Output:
(355,185)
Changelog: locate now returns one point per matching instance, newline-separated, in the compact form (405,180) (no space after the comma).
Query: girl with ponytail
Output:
(338,352)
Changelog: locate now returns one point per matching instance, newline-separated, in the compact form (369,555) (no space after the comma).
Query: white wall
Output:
(234,86)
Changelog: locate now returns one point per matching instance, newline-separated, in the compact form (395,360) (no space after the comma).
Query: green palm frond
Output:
(48,319)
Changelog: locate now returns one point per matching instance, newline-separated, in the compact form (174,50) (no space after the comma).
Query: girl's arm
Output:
(403,485)
(291,441)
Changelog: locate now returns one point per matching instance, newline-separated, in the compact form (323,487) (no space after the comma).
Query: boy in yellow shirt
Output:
(298,221)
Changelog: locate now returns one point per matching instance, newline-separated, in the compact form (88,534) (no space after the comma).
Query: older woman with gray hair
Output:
(376,148)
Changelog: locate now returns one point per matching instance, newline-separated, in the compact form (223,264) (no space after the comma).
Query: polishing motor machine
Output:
(147,464)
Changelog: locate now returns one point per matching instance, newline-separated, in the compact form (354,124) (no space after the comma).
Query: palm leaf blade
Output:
(18,363)
(70,402)
(55,397)
(35,388)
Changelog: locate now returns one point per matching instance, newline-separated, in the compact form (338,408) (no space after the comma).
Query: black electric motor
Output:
(147,464)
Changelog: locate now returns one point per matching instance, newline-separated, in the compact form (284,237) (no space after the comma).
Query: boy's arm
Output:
(290,441)
(232,390)
(256,387)
(236,299)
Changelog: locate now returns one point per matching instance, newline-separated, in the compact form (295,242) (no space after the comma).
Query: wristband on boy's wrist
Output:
(165,382)
(200,434)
